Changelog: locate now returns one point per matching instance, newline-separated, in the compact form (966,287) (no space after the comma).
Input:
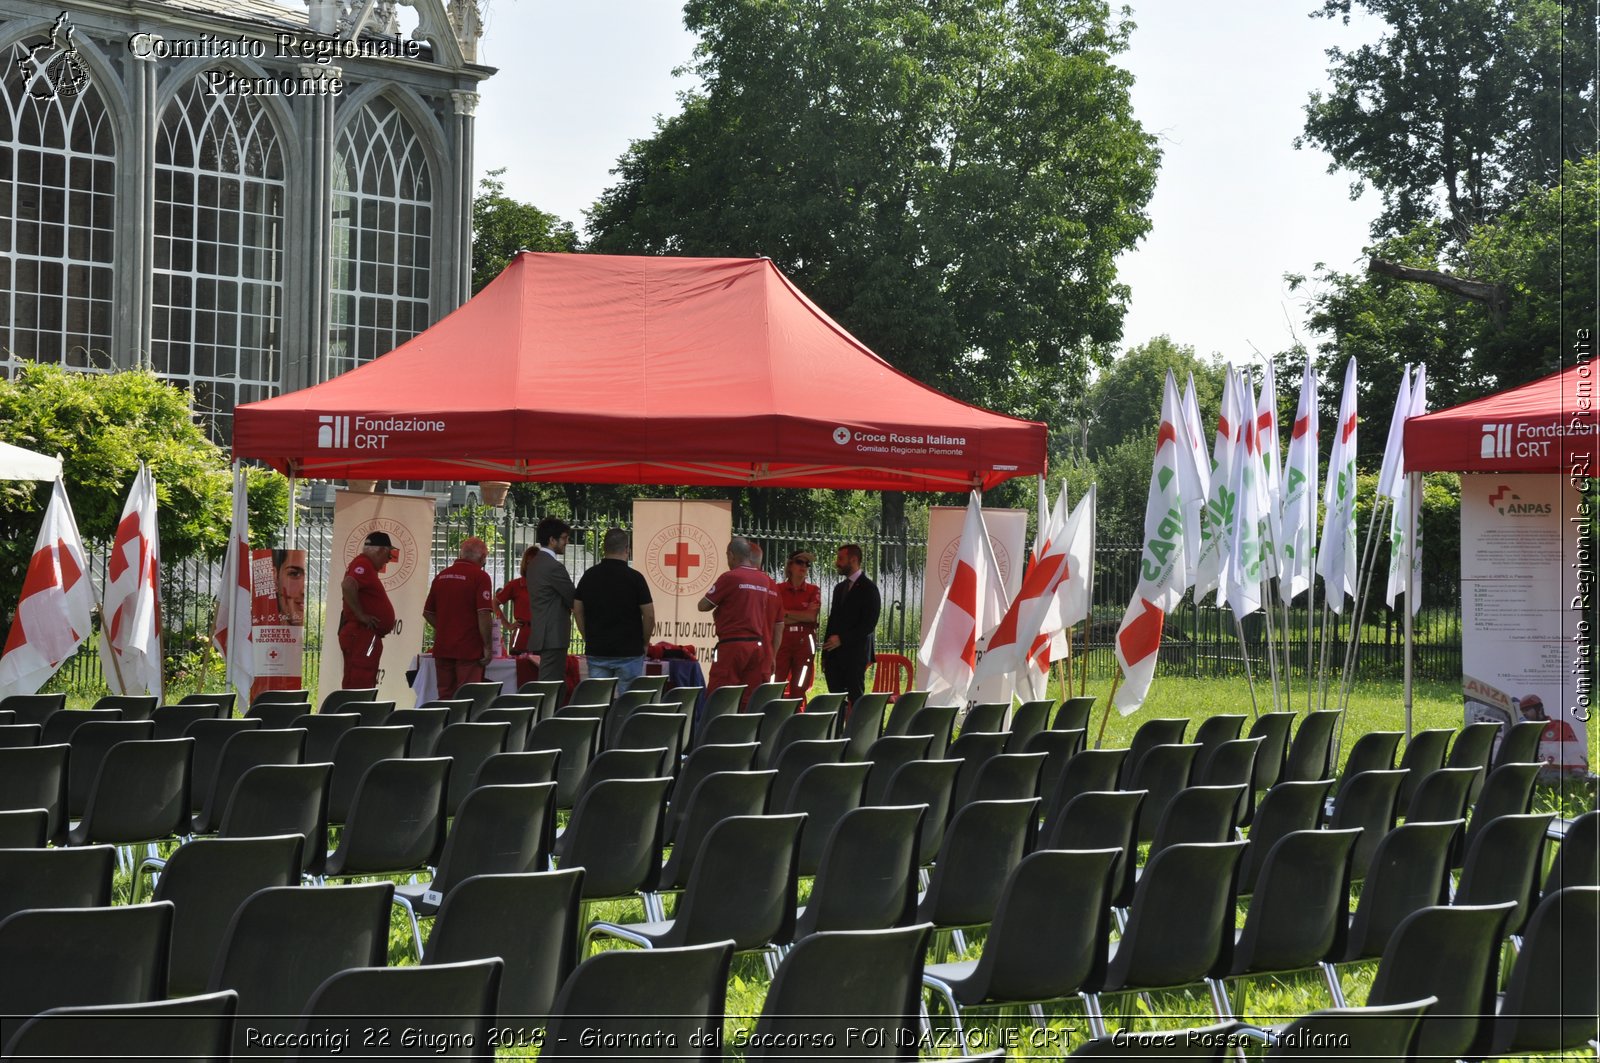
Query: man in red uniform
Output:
(460,606)
(368,614)
(749,622)
(797,651)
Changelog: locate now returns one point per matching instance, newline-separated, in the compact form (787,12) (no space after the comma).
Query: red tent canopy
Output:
(616,369)
(1549,425)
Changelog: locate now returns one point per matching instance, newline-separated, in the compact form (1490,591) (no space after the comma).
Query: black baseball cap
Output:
(378,538)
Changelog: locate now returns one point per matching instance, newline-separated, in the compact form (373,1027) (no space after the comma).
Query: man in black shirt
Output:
(614,613)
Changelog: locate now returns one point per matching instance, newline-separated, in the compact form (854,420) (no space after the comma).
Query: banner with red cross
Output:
(680,546)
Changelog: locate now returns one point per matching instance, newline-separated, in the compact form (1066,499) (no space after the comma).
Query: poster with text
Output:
(1008,534)
(1520,621)
(409,523)
(680,545)
(277,619)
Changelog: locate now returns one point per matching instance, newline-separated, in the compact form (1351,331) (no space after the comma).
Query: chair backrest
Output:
(702,762)
(457,710)
(722,701)
(1442,795)
(140,794)
(481,694)
(836,982)
(1212,732)
(1311,752)
(899,712)
(323,731)
(499,830)
(1198,814)
(1474,748)
(1163,771)
(1577,861)
(773,715)
(794,759)
(622,764)
(1503,863)
(55,878)
(891,673)
(24,828)
(655,686)
(1424,755)
(516,701)
(931,783)
(66,957)
(1073,714)
(984,842)
(61,726)
(1152,733)
(210,737)
(985,716)
(575,738)
(1028,720)
(282,799)
(1507,792)
(468,745)
(357,751)
(1231,763)
(1408,872)
(1102,819)
(973,750)
(803,727)
(615,835)
(887,755)
(19,735)
(832,701)
(938,721)
(199,1027)
(90,744)
(1366,801)
(1365,1033)
(552,689)
(1373,751)
(825,793)
(397,820)
(337,699)
(276,697)
(173,720)
(625,705)
(653,997)
(520,769)
(1274,728)
(867,878)
(1452,953)
(224,698)
(1300,914)
(1008,777)
(207,879)
(655,730)
(242,751)
(731,729)
(1090,771)
(1549,1004)
(594,691)
(530,920)
(33,708)
(1180,926)
(1058,747)
(278,713)
(285,941)
(1519,744)
(426,727)
(36,777)
(713,799)
(440,1004)
(742,885)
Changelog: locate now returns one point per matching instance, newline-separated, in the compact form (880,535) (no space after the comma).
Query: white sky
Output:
(1222,85)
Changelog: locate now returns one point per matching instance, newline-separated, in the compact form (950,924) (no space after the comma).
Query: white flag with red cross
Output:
(1019,645)
(1216,528)
(130,617)
(56,610)
(1299,521)
(1405,537)
(1162,564)
(950,650)
(232,634)
(1071,604)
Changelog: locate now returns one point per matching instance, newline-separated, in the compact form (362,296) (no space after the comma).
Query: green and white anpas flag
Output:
(1337,560)
(1392,471)
(1162,565)
(1246,560)
(1216,529)
(1194,471)
(1405,551)
(1271,468)
(1299,520)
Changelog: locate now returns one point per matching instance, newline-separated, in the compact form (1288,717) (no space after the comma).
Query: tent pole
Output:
(291,527)
(1413,501)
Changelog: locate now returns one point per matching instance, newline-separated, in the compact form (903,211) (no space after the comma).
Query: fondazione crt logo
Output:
(354,431)
(53,70)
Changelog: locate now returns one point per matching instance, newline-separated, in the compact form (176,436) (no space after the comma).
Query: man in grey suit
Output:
(550,593)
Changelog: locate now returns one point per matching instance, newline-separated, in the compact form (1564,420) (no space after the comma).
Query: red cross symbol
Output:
(272,655)
(681,560)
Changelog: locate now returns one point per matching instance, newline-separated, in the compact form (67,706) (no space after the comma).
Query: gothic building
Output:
(245,197)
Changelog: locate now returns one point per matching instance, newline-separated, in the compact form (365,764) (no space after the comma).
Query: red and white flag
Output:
(1162,564)
(56,610)
(1022,630)
(1299,522)
(950,651)
(1216,529)
(1071,604)
(1337,561)
(1271,468)
(1405,527)
(130,618)
(1194,471)
(232,635)
(1245,565)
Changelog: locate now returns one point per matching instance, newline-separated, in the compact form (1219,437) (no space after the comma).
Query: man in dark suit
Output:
(550,592)
(852,620)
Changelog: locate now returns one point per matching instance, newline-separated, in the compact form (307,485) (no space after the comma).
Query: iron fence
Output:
(1202,641)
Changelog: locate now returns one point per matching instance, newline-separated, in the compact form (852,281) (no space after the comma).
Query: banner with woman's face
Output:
(278,618)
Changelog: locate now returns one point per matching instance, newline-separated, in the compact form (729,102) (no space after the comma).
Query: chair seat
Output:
(656,931)
(953,975)
(416,894)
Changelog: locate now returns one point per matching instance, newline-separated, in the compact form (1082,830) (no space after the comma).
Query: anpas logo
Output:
(841,435)
(1508,503)
(360,432)
(54,69)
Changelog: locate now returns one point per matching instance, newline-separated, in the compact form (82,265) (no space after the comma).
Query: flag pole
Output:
(1105,717)
(1272,651)
(1352,649)
(1088,623)
(1244,652)
(1413,502)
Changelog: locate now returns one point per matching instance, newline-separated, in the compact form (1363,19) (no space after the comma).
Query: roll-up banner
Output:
(1521,623)
(408,520)
(681,545)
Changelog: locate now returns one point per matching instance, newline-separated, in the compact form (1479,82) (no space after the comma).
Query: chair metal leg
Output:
(1091,1007)
(1219,998)
(960,939)
(770,958)
(1330,974)
(1037,1011)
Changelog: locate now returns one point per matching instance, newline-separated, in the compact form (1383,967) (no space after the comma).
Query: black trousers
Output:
(846,673)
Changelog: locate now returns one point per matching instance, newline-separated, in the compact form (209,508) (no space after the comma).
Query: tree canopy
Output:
(502,226)
(951,180)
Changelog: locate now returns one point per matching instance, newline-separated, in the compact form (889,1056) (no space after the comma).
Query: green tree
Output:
(102,425)
(1125,398)
(502,226)
(951,180)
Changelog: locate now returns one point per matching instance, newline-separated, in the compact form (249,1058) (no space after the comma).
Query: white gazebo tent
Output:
(17,463)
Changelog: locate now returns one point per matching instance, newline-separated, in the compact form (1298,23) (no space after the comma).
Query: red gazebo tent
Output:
(1543,426)
(649,370)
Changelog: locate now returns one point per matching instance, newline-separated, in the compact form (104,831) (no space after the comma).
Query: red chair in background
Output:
(892,676)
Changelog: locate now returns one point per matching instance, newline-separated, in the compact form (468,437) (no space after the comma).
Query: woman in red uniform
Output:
(801,601)
(520,623)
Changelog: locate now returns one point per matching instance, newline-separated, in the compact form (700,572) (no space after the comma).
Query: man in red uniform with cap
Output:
(459,606)
(801,601)
(368,614)
(748,619)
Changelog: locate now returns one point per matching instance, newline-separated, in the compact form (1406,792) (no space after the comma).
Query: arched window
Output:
(57,208)
(382,237)
(217,301)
